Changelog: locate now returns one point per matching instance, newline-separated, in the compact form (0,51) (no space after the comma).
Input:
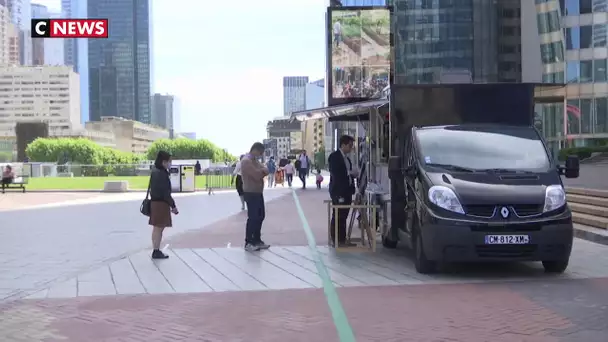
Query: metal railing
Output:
(218,178)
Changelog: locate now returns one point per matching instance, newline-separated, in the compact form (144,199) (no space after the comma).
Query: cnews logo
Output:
(69,28)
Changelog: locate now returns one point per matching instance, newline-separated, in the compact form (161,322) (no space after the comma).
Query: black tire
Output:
(422,264)
(555,266)
(388,243)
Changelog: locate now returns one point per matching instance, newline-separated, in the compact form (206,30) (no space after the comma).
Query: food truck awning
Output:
(347,112)
(549,93)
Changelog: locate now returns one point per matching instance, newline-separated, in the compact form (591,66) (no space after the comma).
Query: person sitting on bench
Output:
(8,176)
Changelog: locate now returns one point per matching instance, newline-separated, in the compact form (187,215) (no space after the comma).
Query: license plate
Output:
(507,239)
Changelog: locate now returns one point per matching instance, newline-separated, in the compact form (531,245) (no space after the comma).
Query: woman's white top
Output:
(237,169)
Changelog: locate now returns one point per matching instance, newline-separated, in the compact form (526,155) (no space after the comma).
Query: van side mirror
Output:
(572,167)
(394,168)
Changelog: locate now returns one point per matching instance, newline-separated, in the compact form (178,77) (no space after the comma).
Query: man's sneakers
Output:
(157,254)
(263,245)
(251,247)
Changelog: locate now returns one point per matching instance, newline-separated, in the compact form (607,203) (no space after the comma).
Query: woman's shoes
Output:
(157,254)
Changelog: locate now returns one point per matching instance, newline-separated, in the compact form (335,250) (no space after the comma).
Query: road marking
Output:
(345,331)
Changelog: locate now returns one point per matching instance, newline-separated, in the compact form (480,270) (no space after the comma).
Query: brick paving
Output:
(508,312)
(282,226)
(432,308)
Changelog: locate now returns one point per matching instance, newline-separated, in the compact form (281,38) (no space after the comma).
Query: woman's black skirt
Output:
(239,185)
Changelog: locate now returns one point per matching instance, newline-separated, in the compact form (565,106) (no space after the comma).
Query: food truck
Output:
(461,174)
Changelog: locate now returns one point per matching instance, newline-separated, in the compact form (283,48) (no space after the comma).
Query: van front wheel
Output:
(558,266)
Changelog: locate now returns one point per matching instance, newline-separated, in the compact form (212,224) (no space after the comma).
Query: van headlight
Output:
(555,197)
(445,198)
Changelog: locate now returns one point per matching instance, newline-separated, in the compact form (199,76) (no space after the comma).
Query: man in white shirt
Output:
(304,167)
(239,181)
(337,33)
(289,171)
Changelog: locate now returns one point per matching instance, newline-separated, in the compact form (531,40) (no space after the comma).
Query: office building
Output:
(120,87)
(21,15)
(312,130)
(40,94)
(162,111)
(129,135)
(38,12)
(280,129)
(76,53)
(294,94)
(54,48)
(5,23)
(580,62)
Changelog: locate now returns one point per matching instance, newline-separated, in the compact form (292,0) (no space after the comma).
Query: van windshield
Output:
(484,148)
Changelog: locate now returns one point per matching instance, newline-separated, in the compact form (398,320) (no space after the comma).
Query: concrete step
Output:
(592,234)
(588,209)
(590,200)
(587,192)
(590,220)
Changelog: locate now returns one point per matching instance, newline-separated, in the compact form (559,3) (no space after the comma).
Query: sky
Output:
(225,63)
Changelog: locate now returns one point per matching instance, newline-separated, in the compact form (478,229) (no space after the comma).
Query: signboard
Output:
(359,53)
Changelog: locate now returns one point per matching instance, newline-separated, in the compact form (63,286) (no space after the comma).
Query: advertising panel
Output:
(295,141)
(359,61)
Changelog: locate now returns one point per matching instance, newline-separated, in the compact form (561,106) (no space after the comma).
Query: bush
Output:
(581,152)
(189,149)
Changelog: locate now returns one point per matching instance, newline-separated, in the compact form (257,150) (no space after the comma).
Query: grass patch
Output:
(96,183)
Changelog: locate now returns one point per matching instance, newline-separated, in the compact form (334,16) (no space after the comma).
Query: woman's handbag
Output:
(146,205)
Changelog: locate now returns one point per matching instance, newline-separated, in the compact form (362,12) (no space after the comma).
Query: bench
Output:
(18,183)
(115,186)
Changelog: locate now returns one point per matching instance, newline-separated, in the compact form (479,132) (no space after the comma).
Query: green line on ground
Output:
(345,331)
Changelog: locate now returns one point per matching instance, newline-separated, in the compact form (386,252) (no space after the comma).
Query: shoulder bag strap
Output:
(149,183)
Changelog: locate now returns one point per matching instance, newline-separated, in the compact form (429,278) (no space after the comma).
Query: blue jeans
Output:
(256,212)
(303,174)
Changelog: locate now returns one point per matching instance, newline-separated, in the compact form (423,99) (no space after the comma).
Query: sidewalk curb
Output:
(595,235)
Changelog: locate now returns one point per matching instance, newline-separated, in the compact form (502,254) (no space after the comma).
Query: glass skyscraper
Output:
(119,67)
(76,53)
(574,50)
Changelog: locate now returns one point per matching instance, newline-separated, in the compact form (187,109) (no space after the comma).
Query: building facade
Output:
(162,111)
(313,130)
(280,129)
(41,94)
(294,94)
(76,53)
(129,135)
(574,45)
(54,50)
(189,135)
(21,15)
(119,67)
(5,30)
(39,12)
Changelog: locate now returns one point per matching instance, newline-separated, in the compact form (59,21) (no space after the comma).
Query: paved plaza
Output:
(81,271)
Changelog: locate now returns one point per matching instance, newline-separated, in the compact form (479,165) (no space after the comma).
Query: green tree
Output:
(189,149)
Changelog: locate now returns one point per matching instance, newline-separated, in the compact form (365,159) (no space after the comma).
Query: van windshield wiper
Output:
(504,171)
(451,167)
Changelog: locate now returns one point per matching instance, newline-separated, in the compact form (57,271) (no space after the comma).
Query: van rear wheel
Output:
(388,243)
(555,266)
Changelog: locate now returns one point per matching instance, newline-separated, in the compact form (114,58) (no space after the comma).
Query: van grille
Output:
(488,211)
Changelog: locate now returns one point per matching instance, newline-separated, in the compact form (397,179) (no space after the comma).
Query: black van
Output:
(483,192)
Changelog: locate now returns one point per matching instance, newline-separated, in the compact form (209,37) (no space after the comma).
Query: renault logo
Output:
(504,212)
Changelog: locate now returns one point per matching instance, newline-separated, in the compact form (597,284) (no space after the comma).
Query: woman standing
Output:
(239,181)
(161,202)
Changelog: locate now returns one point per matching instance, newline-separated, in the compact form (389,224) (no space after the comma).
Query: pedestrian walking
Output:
(272,169)
(289,171)
(253,173)
(161,202)
(304,167)
(239,181)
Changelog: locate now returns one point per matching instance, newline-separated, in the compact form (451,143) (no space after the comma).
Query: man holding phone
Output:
(253,173)
(341,186)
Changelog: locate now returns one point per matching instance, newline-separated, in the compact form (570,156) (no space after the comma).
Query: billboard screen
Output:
(359,52)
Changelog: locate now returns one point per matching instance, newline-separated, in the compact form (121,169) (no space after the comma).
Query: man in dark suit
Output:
(341,185)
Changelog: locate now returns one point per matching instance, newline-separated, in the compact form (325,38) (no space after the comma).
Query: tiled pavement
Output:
(209,292)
